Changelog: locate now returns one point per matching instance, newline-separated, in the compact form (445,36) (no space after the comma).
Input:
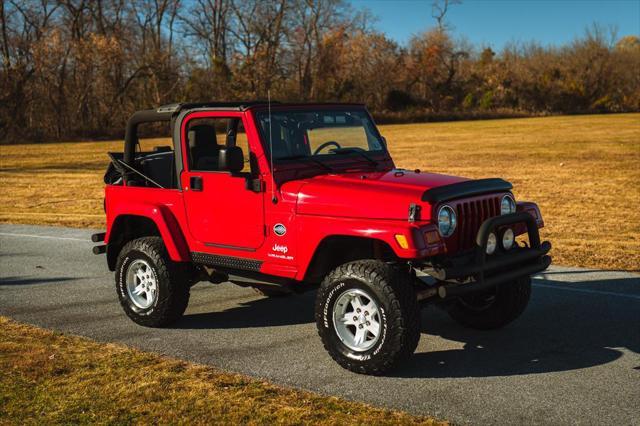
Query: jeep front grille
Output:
(471,214)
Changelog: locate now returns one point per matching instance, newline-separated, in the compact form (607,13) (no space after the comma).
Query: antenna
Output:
(274,200)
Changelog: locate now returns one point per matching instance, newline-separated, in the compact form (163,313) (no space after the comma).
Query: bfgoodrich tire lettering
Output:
(398,315)
(171,281)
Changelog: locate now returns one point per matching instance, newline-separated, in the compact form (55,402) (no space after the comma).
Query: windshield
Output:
(319,133)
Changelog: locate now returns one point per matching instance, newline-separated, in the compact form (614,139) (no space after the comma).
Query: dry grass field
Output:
(50,378)
(584,171)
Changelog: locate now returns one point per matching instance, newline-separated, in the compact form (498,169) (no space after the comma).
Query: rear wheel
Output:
(153,290)
(367,316)
(493,309)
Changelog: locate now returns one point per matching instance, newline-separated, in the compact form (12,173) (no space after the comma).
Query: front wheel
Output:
(153,290)
(367,316)
(495,308)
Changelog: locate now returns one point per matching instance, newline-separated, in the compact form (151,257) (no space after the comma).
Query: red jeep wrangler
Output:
(286,197)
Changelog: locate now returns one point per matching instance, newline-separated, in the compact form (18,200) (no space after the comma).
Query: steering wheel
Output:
(326,144)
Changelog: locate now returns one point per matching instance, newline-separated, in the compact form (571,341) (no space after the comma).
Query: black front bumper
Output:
(503,266)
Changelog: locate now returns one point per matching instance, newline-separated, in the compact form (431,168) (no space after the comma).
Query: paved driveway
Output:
(573,357)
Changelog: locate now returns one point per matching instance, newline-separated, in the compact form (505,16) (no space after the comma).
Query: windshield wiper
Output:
(358,151)
(306,157)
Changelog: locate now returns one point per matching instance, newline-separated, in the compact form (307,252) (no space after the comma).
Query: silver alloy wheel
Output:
(142,284)
(356,320)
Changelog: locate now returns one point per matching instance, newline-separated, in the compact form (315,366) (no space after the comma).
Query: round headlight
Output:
(491,243)
(446,221)
(508,239)
(507,205)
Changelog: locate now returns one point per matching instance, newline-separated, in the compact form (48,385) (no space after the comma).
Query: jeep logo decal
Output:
(279,229)
(279,248)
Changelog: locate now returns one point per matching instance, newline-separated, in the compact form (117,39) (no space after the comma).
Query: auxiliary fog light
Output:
(492,241)
(508,238)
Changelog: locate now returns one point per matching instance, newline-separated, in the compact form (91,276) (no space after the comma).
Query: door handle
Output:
(196,183)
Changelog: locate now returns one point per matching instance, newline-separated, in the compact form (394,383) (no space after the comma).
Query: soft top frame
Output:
(169,113)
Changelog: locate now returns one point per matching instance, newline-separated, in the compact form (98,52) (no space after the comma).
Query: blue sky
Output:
(496,22)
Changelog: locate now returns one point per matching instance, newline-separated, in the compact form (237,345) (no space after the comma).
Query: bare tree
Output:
(258,32)
(206,23)
(439,9)
(79,68)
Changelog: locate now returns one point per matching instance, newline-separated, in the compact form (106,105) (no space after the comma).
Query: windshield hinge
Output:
(414,212)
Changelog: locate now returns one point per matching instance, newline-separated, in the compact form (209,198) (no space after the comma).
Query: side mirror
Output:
(231,158)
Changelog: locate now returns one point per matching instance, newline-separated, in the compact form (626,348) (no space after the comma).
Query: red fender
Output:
(164,220)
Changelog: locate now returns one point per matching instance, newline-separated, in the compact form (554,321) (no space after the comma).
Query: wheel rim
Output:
(356,320)
(142,284)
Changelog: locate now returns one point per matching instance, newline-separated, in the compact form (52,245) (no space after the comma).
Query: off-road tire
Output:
(173,283)
(510,301)
(399,314)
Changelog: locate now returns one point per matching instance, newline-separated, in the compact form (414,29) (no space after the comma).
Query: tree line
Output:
(77,69)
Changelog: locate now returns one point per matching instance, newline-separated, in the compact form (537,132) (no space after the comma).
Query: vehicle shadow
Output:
(583,271)
(6,281)
(264,312)
(563,329)
(560,330)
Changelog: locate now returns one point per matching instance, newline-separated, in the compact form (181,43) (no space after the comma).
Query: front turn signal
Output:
(402,241)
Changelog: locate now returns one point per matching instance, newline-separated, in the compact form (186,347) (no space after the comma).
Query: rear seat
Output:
(160,166)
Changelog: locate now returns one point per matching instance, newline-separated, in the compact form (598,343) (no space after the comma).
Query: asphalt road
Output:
(573,357)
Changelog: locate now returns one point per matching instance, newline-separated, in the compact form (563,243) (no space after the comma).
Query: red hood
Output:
(379,195)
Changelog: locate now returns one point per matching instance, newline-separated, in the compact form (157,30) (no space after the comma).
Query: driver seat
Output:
(203,147)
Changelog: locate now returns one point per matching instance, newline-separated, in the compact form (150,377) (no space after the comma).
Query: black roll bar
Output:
(144,116)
